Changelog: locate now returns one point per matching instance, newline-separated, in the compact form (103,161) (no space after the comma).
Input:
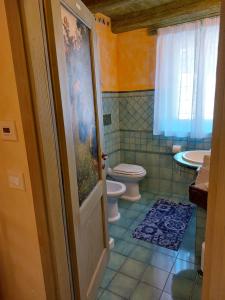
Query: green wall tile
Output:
(129,139)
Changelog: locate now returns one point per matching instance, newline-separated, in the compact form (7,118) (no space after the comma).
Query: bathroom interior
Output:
(150,134)
(158,89)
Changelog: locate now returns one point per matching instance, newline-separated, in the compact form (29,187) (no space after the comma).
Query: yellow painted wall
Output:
(127,60)
(21,276)
(136,60)
(107,43)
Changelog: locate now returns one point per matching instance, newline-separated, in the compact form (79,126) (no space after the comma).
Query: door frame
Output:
(34,87)
(214,268)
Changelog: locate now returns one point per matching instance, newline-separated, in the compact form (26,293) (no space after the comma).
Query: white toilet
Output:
(130,175)
(114,191)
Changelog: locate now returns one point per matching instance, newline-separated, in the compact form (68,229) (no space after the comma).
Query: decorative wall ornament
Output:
(102,20)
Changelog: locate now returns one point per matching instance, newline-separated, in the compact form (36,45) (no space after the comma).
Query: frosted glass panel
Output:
(80,89)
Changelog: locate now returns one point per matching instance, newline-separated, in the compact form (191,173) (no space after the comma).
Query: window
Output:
(186,87)
(186,79)
(186,90)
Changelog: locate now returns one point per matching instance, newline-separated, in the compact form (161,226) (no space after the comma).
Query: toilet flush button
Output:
(8,130)
(16,180)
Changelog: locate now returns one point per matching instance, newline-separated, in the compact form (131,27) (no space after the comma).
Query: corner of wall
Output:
(127,60)
(108,53)
(20,263)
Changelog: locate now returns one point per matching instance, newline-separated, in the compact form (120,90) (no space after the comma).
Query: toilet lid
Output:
(128,169)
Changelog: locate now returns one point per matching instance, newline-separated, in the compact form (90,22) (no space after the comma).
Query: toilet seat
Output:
(129,170)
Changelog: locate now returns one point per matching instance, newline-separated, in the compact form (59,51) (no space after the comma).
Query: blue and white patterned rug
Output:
(165,224)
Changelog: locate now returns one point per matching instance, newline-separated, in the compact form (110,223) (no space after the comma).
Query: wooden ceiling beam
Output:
(165,15)
(105,5)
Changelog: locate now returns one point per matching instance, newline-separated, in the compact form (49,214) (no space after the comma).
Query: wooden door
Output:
(214,268)
(73,63)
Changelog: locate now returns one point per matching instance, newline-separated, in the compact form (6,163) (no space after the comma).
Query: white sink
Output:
(196,156)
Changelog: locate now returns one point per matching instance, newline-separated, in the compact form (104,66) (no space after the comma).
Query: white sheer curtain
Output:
(185,79)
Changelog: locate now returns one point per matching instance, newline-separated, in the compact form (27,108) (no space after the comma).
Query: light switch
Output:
(8,130)
(16,180)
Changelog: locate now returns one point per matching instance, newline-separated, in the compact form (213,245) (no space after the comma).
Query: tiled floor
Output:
(138,270)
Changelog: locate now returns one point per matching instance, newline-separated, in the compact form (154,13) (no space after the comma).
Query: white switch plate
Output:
(8,130)
(16,180)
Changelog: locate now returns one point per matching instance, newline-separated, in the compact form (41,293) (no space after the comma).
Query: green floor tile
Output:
(189,255)
(133,268)
(138,207)
(191,230)
(107,277)
(185,269)
(186,254)
(122,285)
(132,214)
(148,201)
(123,247)
(116,231)
(124,203)
(165,250)
(145,244)
(179,287)
(142,254)
(142,216)
(147,196)
(125,222)
(106,295)
(127,236)
(162,261)
(134,225)
(188,243)
(146,292)
(155,277)
(123,212)
(116,260)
